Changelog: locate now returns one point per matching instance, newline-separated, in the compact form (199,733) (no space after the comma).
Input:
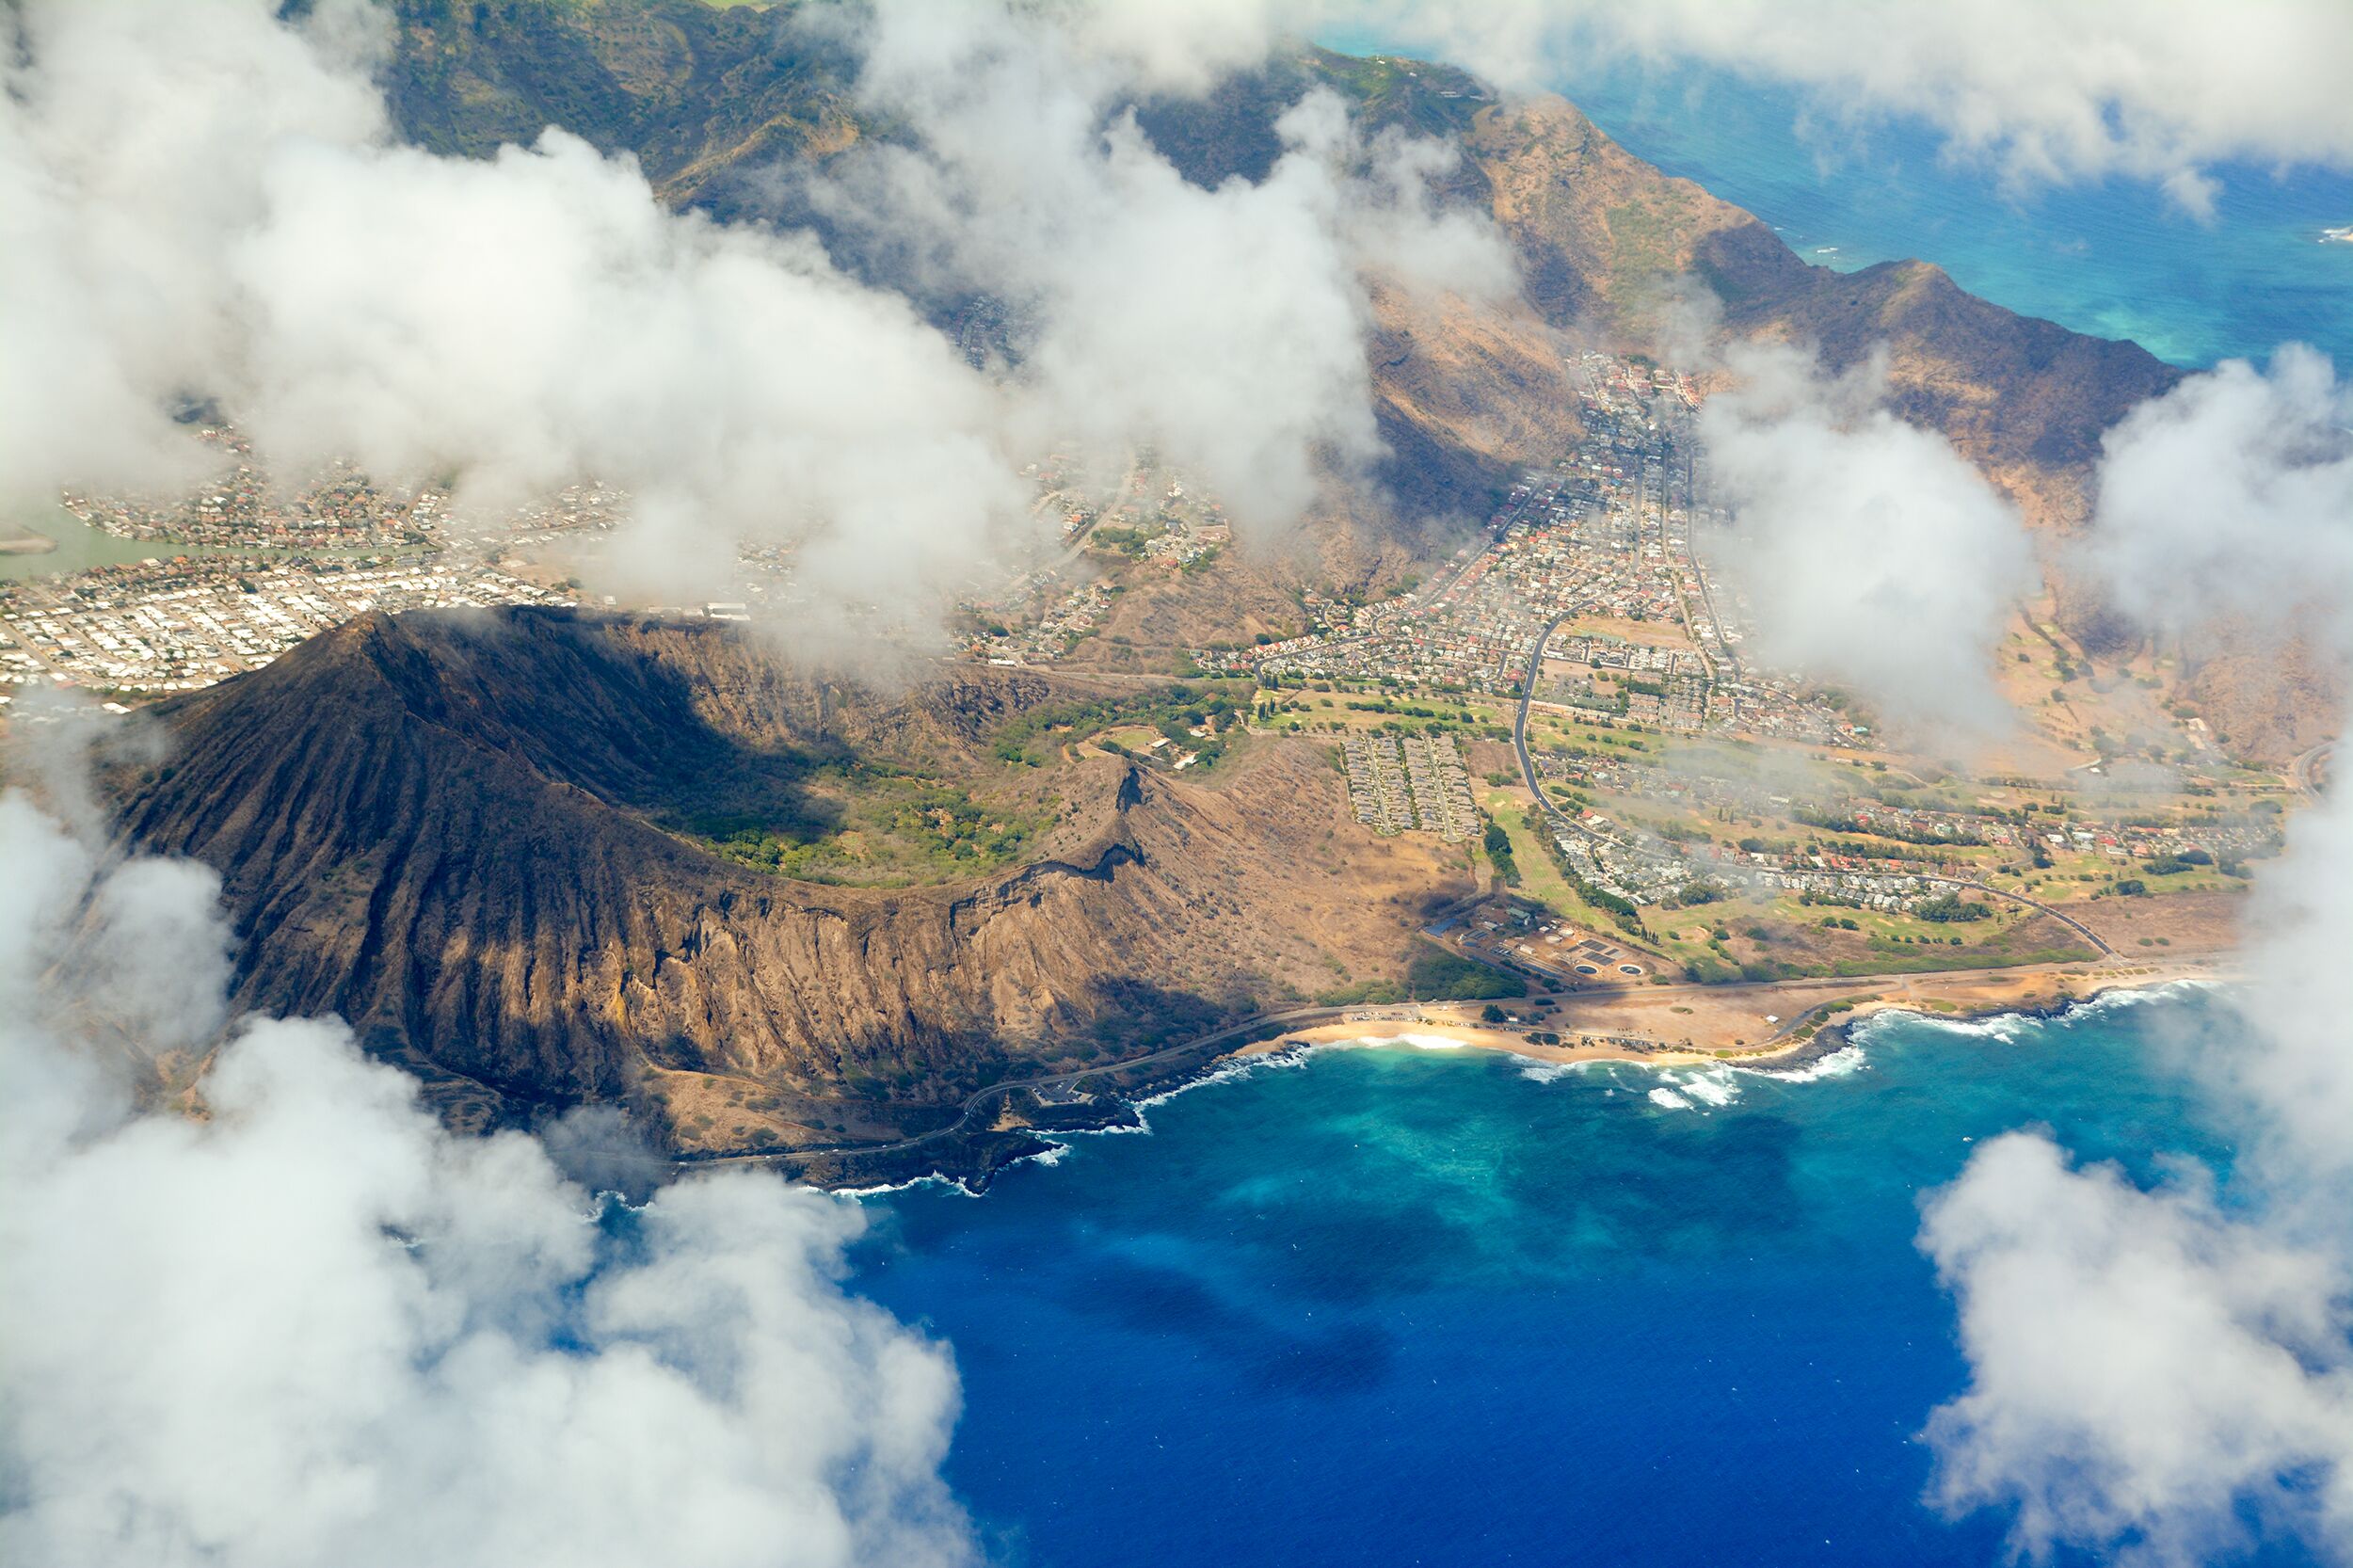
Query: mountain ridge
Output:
(433,825)
(1596,230)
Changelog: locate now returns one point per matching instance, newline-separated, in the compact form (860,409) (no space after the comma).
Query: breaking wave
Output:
(1709,1088)
(1845,1062)
(1552,1072)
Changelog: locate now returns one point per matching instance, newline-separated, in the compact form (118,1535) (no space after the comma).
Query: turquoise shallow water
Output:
(2114,258)
(1400,1306)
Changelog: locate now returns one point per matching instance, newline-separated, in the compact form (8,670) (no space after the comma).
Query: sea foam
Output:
(1843,1061)
(1552,1072)
(1712,1088)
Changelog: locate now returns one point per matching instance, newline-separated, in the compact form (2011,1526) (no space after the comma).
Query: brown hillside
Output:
(1608,240)
(443,829)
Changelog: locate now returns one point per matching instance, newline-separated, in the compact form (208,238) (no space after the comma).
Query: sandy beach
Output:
(1757,1025)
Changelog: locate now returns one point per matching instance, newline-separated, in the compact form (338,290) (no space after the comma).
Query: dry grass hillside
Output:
(470,836)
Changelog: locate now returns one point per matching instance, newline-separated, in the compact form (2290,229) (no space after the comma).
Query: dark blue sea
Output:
(1402,1307)
(1396,1306)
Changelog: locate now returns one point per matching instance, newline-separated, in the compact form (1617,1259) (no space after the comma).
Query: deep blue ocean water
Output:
(1396,1307)
(1399,1306)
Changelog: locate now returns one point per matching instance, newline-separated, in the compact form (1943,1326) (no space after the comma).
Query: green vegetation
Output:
(1946,958)
(1391,91)
(1174,711)
(471,76)
(1433,975)
(1438,975)
(1950,908)
(1627,915)
(1498,844)
(871,825)
(1122,541)
(1541,875)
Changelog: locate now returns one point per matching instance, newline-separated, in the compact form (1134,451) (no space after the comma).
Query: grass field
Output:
(1541,878)
(873,827)
(1433,975)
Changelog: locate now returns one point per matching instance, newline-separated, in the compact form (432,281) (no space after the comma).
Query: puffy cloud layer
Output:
(536,318)
(130,136)
(2049,93)
(1225,327)
(2157,1374)
(209,207)
(2146,1372)
(205,204)
(314,1327)
(2234,494)
(1870,553)
(2158,91)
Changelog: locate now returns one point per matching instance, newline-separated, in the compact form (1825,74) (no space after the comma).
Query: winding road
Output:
(1295,1016)
(1519,724)
(1045,1081)
(2308,775)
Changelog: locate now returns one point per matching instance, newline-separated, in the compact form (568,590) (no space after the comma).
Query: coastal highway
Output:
(1288,1018)
(1299,1017)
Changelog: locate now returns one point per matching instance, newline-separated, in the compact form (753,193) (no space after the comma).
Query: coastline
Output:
(1801,1047)
(1024,1126)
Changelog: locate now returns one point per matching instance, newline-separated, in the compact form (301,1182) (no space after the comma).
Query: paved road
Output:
(1288,1017)
(1301,1016)
(1297,1015)
(1519,724)
(1048,1080)
(2309,773)
(2061,916)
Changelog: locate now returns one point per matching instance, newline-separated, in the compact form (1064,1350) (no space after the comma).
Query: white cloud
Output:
(210,207)
(314,1327)
(1225,327)
(2162,1374)
(2153,89)
(129,135)
(2146,1370)
(2232,494)
(206,203)
(539,317)
(1870,553)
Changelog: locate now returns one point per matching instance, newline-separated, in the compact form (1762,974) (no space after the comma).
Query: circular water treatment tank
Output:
(1629,968)
(1588,969)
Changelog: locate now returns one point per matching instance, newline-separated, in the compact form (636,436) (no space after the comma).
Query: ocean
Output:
(2114,258)
(1398,1306)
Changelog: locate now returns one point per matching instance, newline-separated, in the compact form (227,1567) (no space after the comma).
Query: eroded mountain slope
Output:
(447,829)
